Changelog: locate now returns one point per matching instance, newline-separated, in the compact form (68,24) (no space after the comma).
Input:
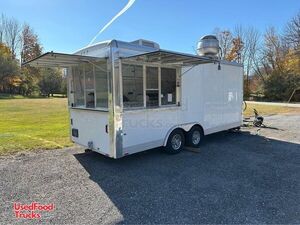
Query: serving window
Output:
(132,86)
(149,86)
(78,79)
(152,89)
(90,85)
(168,86)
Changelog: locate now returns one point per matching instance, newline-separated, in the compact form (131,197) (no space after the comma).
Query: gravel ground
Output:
(247,177)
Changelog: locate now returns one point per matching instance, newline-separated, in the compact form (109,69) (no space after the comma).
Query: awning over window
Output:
(170,58)
(53,59)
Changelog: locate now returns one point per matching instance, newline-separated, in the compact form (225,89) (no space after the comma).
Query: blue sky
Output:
(67,25)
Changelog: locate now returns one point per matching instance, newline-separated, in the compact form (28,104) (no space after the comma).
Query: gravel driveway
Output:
(247,177)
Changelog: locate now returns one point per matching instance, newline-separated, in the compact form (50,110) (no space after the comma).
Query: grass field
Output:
(268,109)
(32,124)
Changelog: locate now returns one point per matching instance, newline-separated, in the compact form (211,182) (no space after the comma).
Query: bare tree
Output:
(2,28)
(12,35)
(225,41)
(292,30)
(240,33)
(274,51)
(248,40)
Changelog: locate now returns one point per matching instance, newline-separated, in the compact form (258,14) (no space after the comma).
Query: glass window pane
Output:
(152,77)
(90,99)
(89,76)
(152,98)
(101,85)
(132,85)
(78,78)
(168,86)
(89,86)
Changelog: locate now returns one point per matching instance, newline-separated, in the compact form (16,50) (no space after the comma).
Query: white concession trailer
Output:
(127,97)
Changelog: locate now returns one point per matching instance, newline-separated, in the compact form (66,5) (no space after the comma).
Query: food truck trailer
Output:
(127,97)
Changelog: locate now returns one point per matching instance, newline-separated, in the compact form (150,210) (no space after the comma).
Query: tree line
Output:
(18,44)
(271,60)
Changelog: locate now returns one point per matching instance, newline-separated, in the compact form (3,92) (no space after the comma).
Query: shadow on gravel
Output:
(236,178)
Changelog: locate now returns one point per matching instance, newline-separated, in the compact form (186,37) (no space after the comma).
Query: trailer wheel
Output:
(194,137)
(175,142)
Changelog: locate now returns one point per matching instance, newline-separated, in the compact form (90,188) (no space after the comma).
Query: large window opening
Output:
(78,77)
(101,85)
(168,86)
(158,88)
(90,85)
(152,91)
(132,86)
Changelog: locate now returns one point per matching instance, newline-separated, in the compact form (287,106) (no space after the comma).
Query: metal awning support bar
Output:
(171,58)
(53,59)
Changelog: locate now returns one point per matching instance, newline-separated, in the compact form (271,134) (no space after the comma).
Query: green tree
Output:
(30,46)
(51,81)
(64,86)
(281,66)
(9,70)
(30,49)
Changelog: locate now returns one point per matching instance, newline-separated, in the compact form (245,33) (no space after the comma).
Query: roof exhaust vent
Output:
(146,43)
(208,46)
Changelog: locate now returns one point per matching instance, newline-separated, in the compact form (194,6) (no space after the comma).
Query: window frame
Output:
(107,85)
(159,66)
(89,90)
(72,88)
(152,89)
(122,88)
(177,86)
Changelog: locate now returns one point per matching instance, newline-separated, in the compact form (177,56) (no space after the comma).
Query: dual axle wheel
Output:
(178,139)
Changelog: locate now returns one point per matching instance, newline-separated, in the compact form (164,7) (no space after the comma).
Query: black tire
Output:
(194,137)
(258,121)
(174,145)
(235,129)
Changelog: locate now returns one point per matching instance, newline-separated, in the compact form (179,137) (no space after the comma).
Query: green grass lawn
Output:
(268,109)
(31,124)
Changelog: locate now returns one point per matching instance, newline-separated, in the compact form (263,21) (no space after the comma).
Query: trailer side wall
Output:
(210,97)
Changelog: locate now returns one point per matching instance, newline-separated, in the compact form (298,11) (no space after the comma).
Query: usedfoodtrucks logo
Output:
(31,211)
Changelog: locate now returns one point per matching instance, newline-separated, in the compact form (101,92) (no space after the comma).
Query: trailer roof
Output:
(54,59)
(170,57)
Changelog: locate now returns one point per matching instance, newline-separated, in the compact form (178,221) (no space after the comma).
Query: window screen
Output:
(89,77)
(132,85)
(152,78)
(101,85)
(168,86)
(89,86)
(152,87)
(78,77)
